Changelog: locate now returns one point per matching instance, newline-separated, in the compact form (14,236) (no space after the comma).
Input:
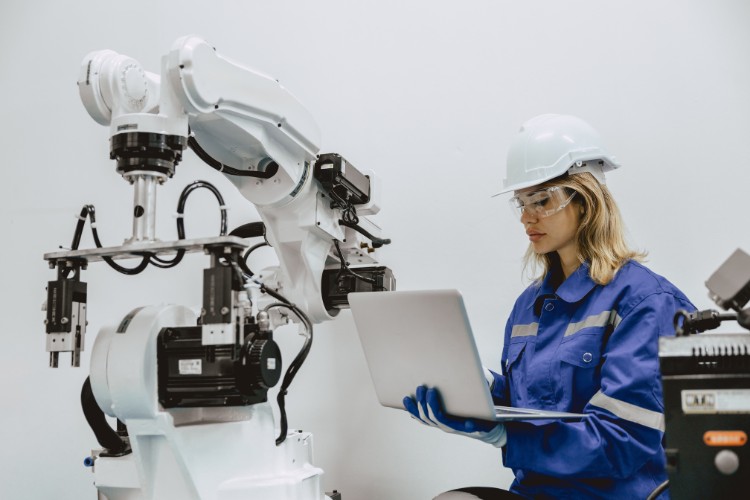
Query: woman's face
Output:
(553,233)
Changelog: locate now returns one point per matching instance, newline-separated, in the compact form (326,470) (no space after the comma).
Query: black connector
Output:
(376,242)
(340,179)
(338,284)
(686,323)
(249,230)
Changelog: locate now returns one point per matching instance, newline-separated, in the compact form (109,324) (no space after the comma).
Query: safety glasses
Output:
(542,203)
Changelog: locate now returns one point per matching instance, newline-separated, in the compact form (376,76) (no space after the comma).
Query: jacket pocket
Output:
(579,376)
(517,374)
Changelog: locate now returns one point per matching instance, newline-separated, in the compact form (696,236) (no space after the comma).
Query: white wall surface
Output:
(427,94)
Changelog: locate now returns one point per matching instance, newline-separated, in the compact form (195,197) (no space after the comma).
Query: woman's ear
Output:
(581,212)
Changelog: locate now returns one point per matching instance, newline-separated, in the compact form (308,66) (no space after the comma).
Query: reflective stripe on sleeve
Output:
(630,412)
(529,330)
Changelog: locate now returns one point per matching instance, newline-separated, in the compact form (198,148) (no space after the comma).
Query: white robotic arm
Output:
(251,128)
(243,118)
(180,384)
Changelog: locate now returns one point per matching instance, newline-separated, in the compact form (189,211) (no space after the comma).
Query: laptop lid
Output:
(423,337)
(413,338)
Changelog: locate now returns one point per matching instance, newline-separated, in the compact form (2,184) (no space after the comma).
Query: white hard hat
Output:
(549,145)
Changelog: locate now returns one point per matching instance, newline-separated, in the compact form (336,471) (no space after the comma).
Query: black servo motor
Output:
(194,375)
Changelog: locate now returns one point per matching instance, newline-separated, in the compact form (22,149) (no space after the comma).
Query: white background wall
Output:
(427,94)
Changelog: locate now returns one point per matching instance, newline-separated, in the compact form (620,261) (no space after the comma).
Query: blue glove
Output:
(427,408)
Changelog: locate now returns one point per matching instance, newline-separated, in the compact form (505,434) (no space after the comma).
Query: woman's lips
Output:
(534,236)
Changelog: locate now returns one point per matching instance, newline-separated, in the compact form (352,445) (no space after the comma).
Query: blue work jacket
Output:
(588,348)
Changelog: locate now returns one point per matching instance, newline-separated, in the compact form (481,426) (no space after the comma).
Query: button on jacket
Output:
(588,348)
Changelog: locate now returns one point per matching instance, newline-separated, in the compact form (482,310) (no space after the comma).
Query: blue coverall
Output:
(592,349)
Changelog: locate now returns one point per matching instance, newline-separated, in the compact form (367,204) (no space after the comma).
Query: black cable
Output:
(263,287)
(294,367)
(149,257)
(166,264)
(658,490)
(348,210)
(243,261)
(77,233)
(376,242)
(345,268)
(91,212)
(269,172)
(156,258)
(273,293)
(106,436)
(350,219)
(242,272)
(79,227)
(183,198)
(127,270)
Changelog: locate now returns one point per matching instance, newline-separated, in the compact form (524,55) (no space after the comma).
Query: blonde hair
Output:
(600,235)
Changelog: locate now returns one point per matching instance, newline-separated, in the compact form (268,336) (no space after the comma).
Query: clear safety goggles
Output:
(542,203)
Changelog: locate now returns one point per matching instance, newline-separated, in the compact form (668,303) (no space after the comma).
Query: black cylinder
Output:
(147,151)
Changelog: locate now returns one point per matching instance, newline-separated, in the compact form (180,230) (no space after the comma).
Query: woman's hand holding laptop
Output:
(427,408)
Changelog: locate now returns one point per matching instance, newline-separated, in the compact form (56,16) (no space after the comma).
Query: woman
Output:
(582,338)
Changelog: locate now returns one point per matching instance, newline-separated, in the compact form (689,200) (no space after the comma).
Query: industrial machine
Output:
(706,378)
(189,391)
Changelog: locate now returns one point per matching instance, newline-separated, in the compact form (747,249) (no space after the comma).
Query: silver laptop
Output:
(413,338)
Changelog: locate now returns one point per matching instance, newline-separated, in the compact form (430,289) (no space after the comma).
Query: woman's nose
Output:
(527,217)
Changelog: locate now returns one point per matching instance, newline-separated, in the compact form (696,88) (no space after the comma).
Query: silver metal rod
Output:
(144,207)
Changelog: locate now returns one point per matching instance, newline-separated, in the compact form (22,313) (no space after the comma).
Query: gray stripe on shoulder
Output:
(601,319)
(529,330)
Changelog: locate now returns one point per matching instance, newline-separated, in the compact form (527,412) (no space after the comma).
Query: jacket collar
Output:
(572,290)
